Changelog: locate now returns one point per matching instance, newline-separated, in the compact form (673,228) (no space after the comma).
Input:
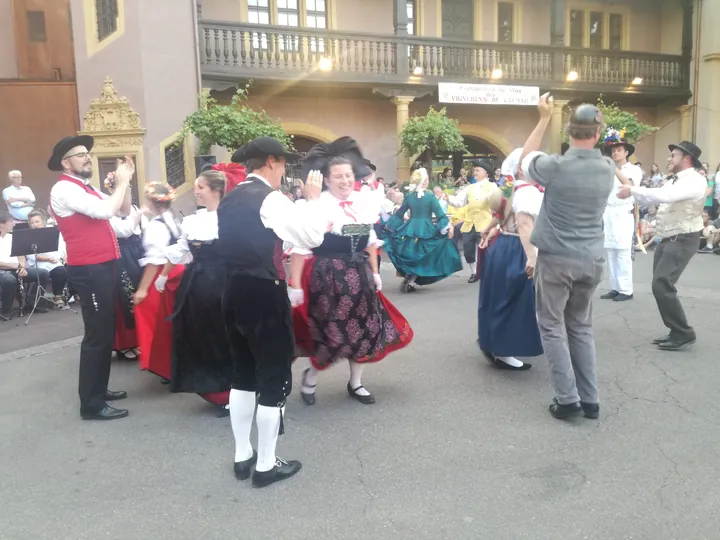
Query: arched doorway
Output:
(477,148)
(302,145)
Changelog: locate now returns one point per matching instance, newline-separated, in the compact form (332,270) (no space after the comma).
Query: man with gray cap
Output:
(679,223)
(571,255)
(253,221)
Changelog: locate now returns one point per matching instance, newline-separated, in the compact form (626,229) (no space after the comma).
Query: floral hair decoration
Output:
(614,136)
(159,192)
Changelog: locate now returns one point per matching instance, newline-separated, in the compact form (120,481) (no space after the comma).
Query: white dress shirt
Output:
(300,224)
(199,227)
(5,250)
(67,199)
(460,199)
(157,237)
(19,210)
(635,175)
(689,185)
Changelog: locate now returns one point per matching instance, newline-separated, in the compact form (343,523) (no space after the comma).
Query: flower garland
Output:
(154,192)
(614,136)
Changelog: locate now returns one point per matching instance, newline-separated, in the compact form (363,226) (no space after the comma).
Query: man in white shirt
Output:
(679,224)
(619,222)
(20,199)
(83,215)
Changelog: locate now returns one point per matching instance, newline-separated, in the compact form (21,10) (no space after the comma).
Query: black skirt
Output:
(129,274)
(201,361)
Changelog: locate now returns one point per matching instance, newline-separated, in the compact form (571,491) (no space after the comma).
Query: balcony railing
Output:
(233,50)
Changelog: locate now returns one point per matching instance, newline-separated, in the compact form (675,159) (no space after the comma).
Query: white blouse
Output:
(125,228)
(157,238)
(527,200)
(199,227)
(357,210)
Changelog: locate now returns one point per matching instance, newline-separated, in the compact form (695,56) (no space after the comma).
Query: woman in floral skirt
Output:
(339,312)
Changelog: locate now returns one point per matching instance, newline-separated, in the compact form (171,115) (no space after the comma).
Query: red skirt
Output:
(325,334)
(154,332)
(125,338)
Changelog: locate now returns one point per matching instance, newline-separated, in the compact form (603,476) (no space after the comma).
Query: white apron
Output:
(619,226)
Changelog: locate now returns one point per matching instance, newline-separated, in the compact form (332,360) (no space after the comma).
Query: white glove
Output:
(160,283)
(378,282)
(296,296)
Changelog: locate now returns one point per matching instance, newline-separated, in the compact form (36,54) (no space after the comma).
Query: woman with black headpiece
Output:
(339,312)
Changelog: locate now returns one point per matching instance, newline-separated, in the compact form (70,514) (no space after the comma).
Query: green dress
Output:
(417,247)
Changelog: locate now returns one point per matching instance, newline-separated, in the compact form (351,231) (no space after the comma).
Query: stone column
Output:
(557,39)
(402,104)
(556,127)
(684,111)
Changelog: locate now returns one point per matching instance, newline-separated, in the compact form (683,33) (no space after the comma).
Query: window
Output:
(106,13)
(175,164)
(316,18)
(288,14)
(506,22)
(577,27)
(411,17)
(36,26)
(596,29)
(258,11)
(616,31)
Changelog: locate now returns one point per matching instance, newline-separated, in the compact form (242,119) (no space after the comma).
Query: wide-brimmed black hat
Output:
(690,149)
(320,155)
(622,142)
(64,146)
(262,147)
(485,164)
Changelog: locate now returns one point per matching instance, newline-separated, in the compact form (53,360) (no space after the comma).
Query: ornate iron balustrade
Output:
(236,50)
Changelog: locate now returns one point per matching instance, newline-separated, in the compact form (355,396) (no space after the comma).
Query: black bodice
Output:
(336,244)
(205,252)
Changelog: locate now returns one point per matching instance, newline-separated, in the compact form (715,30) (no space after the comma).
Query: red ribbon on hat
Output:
(234,172)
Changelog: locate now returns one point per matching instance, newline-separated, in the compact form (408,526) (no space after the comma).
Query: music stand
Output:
(34,242)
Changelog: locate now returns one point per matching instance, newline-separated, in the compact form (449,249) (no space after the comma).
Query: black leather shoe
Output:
(281,471)
(106,413)
(620,297)
(658,341)
(565,411)
(473,279)
(675,344)
(244,468)
(114,396)
(365,400)
(591,410)
(504,365)
(609,296)
(307,398)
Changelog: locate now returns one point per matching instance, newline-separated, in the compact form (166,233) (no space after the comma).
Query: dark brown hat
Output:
(485,164)
(262,147)
(64,146)
(690,149)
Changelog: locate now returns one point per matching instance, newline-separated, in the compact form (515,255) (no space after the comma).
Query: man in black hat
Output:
(83,215)
(253,221)
(569,236)
(679,225)
(619,221)
(477,215)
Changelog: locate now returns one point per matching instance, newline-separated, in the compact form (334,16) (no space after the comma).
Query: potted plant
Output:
(229,126)
(423,137)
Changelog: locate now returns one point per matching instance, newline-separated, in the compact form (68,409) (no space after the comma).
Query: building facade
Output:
(129,72)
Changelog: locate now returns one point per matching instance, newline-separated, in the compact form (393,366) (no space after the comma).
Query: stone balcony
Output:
(230,52)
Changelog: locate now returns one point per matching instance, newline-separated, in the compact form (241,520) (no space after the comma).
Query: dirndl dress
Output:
(201,361)
(344,316)
(507,323)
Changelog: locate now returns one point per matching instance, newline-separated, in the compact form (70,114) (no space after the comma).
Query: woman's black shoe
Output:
(307,398)
(473,279)
(365,400)
(562,412)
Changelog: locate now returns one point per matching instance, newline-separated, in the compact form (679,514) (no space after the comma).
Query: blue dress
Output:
(416,247)
(507,324)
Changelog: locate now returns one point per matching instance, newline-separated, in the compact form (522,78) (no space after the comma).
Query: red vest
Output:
(88,240)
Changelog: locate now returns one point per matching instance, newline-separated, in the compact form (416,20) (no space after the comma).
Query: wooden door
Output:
(109,164)
(43,40)
(457,19)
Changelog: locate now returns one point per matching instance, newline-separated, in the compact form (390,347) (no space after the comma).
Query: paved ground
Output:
(452,450)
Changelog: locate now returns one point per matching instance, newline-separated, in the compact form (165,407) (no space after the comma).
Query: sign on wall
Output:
(488,94)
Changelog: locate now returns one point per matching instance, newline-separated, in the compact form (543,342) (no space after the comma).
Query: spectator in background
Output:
(20,199)
(710,191)
(442,198)
(53,262)
(655,175)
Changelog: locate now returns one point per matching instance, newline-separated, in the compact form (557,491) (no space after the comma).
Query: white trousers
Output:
(620,262)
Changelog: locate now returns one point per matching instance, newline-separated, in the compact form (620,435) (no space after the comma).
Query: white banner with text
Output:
(488,94)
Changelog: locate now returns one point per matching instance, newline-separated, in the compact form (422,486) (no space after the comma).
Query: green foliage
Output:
(230,125)
(616,118)
(434,132)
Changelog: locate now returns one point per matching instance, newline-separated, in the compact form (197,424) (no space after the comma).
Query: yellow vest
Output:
(477,212)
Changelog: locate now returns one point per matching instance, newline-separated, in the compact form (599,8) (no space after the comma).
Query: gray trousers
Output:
(564,289)
(671,258)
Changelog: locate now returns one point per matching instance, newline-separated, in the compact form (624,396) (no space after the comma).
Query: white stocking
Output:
(473,267)
(268,426)
(242,408)
(511,361)
(309,380)
(356,371)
